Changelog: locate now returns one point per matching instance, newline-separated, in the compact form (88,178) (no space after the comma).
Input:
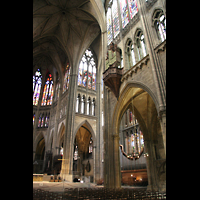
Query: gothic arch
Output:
(37,138)
(90,129)
(61,132)
(132,90)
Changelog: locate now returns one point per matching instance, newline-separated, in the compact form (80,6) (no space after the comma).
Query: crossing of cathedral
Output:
(99,98)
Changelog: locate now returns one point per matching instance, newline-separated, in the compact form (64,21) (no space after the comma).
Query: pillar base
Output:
(67,177)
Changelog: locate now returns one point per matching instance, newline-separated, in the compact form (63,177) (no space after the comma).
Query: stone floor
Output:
(43,190)
(59,186)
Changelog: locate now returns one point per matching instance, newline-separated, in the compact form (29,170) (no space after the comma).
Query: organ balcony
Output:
(113,73)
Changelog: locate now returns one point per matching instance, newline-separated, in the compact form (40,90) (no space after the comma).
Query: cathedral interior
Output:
(99,92)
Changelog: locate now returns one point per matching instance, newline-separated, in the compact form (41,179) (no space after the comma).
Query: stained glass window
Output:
(115,16)
(87,71)
(47,96)
(124,13)
(46,121)
(33,119)
(37,82)
(66,78)
(42,123)
(94,78)
(109,26)
(132,7)
(90,76)
(39,120)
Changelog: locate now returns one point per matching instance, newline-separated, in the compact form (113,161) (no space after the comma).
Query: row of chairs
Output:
(98,194)
(39,194)
(115,194)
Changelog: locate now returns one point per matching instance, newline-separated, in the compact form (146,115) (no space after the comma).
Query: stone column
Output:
(162,117)
(67,163)
(117,170)
(151,166)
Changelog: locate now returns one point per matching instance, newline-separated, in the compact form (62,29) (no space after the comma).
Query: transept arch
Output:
(138,98)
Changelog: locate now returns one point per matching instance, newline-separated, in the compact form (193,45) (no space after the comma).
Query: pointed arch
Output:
(132,90)
(89,127)
(37,138)
(61,133)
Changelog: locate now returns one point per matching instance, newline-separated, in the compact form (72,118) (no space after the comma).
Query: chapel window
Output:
(37,82)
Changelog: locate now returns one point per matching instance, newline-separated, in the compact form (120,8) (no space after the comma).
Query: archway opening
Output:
(132,154)
(83,162)
(141,101)
(39,157)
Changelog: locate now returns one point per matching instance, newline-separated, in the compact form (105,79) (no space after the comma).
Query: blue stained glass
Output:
(109,26)
(37,81)
(124,13)
(115,16)
(132,7)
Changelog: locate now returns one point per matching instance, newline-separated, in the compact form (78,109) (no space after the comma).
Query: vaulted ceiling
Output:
(62,30)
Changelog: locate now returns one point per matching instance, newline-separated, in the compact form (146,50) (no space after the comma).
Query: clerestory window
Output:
(87,71)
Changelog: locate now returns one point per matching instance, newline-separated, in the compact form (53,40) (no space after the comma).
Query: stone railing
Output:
(134,69)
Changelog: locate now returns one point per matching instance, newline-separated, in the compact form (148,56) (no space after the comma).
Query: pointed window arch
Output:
(159,21)
(87,71)
(37,82)
(140,43)
(47,96)
(130,53)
